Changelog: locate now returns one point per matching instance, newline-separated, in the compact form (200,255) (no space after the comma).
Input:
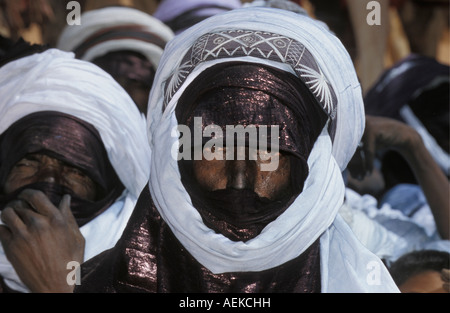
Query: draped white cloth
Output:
(55,81)
(95,21)
(387,231)
(358,212)
(346,265)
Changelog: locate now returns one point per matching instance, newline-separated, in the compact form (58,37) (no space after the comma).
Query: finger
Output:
(29,217)
(66,211)
(13,221)
(5,234)
(25,212)
(38,201)
(16,204)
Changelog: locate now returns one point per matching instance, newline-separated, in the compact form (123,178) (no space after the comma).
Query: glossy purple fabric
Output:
(148,258)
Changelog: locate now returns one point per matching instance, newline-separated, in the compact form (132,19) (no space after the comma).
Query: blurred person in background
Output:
(125,42)
(180,15)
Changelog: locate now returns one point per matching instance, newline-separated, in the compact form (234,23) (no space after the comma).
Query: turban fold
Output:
(114,29)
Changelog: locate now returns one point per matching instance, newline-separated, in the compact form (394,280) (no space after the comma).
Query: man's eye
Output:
(26,163)
(75,171)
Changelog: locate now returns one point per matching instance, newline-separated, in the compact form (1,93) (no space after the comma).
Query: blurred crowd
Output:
(90,110)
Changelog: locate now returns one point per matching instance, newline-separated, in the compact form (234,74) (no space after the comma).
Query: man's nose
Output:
(50,174)
(241,174)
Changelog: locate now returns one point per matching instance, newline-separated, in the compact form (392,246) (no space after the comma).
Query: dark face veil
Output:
(246,94)
(71,141)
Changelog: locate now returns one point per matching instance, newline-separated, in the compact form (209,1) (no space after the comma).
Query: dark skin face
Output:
(425,282)
(244,174)
(37,167)
(133,72)
(38,237)
(137,90)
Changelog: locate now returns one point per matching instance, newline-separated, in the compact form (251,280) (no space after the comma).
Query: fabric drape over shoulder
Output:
(55,81)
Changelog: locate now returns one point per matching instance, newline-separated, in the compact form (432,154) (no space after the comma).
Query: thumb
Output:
(66,211)
(5,234)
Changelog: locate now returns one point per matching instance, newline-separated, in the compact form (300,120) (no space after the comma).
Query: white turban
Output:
(55,81)
(279,39)
(175,11)
(113,29)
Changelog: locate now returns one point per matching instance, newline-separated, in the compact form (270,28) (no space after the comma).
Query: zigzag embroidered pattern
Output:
(264,45)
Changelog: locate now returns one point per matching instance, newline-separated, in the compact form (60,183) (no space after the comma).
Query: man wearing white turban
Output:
(125,42)
(225,225)
(70,113)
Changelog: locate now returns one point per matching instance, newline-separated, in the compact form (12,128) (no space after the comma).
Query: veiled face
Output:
(133,72)
(215,175)
(244,105)
(35,168)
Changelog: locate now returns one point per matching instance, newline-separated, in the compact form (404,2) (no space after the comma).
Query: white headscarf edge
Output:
(93,21)
(23,85)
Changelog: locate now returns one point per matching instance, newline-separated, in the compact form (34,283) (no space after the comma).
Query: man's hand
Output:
(19,14)
(382,134)
(388,134)
(39,240)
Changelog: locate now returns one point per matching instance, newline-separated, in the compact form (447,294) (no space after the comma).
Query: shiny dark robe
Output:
(149,258)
